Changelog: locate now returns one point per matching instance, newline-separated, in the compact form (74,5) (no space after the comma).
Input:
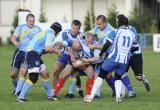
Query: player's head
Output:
(56,27)
(89,38)
(30,19)
(101,21)
(76,45)
(75,27)
(122,20)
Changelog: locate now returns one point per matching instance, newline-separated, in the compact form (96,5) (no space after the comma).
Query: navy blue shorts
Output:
(18,58)
(33,59)
(64,58)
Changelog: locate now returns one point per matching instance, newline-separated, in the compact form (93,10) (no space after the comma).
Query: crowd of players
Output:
(79,54)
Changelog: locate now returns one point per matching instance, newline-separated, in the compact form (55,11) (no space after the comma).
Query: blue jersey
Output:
(136,44)
(68,38)
(25,35)
(122,40)
(102,34)
(42,39)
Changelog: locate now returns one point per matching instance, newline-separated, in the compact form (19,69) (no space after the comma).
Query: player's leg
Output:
(46,81)
(21,80)
(22,75)
(119,72)
(126,81)
(33,70)
(105,69)
(90,78)
(72,85)
(79,87)
(15,65)
(111,81)
(57,68)
(137,67)
(68,70)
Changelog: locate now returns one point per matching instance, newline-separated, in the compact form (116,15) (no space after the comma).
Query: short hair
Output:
(122,20)
(77,23)
(29,15)
(102,17)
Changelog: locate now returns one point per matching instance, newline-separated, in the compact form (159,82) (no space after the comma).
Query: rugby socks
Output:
(72,85)
(97,84)
(127,83)
(118,87)
(59,85)
(47,86)
(14,82)
(20,83)
(89,85)
(111,81)
(123,90)
(26,87)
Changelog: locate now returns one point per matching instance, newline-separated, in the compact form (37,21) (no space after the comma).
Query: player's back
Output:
(122,44)
(40,40)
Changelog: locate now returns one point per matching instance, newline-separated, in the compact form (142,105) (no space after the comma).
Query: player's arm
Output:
(49,48)
(15,36)
(14,40)
(90,60)
(100,46)
(108,42)
(76,63)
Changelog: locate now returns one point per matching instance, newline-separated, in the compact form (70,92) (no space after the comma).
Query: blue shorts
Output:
(18,58)
(33,59)
(64,58)
(119,68)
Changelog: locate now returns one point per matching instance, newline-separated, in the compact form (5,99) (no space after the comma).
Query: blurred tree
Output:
(112,14)
(42,17)
(87,22)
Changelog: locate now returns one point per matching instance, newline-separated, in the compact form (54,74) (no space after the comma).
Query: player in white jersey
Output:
(136,61)
(79,53)
(68,37)
(122,40)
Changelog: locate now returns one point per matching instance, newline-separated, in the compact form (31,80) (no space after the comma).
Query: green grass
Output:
(36,96)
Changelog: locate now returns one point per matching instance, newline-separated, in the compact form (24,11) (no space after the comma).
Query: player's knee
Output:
(117,76)
(102,73)
(33,77)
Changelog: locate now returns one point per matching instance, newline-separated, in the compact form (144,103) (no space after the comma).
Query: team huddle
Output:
(101,53)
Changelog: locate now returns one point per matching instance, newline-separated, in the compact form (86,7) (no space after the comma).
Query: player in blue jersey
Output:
(21,38)
(68,36)
(79,53)
(102,30)
(89,39)
(136,61)
(122,40)
(41,43)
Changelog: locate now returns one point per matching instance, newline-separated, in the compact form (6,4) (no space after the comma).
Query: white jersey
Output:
(68,38)
(136,45)
(122,40)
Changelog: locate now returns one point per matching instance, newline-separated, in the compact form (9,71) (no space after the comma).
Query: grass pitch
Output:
(36,96)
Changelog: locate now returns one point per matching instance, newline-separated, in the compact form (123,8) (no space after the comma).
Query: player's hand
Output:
(91,46)
(84,60)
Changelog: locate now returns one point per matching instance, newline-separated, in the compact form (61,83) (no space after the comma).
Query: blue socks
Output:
(72,85)
(14,81)
(20,83)
(47,86)
(127,83)
(26,87)
(111,81)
